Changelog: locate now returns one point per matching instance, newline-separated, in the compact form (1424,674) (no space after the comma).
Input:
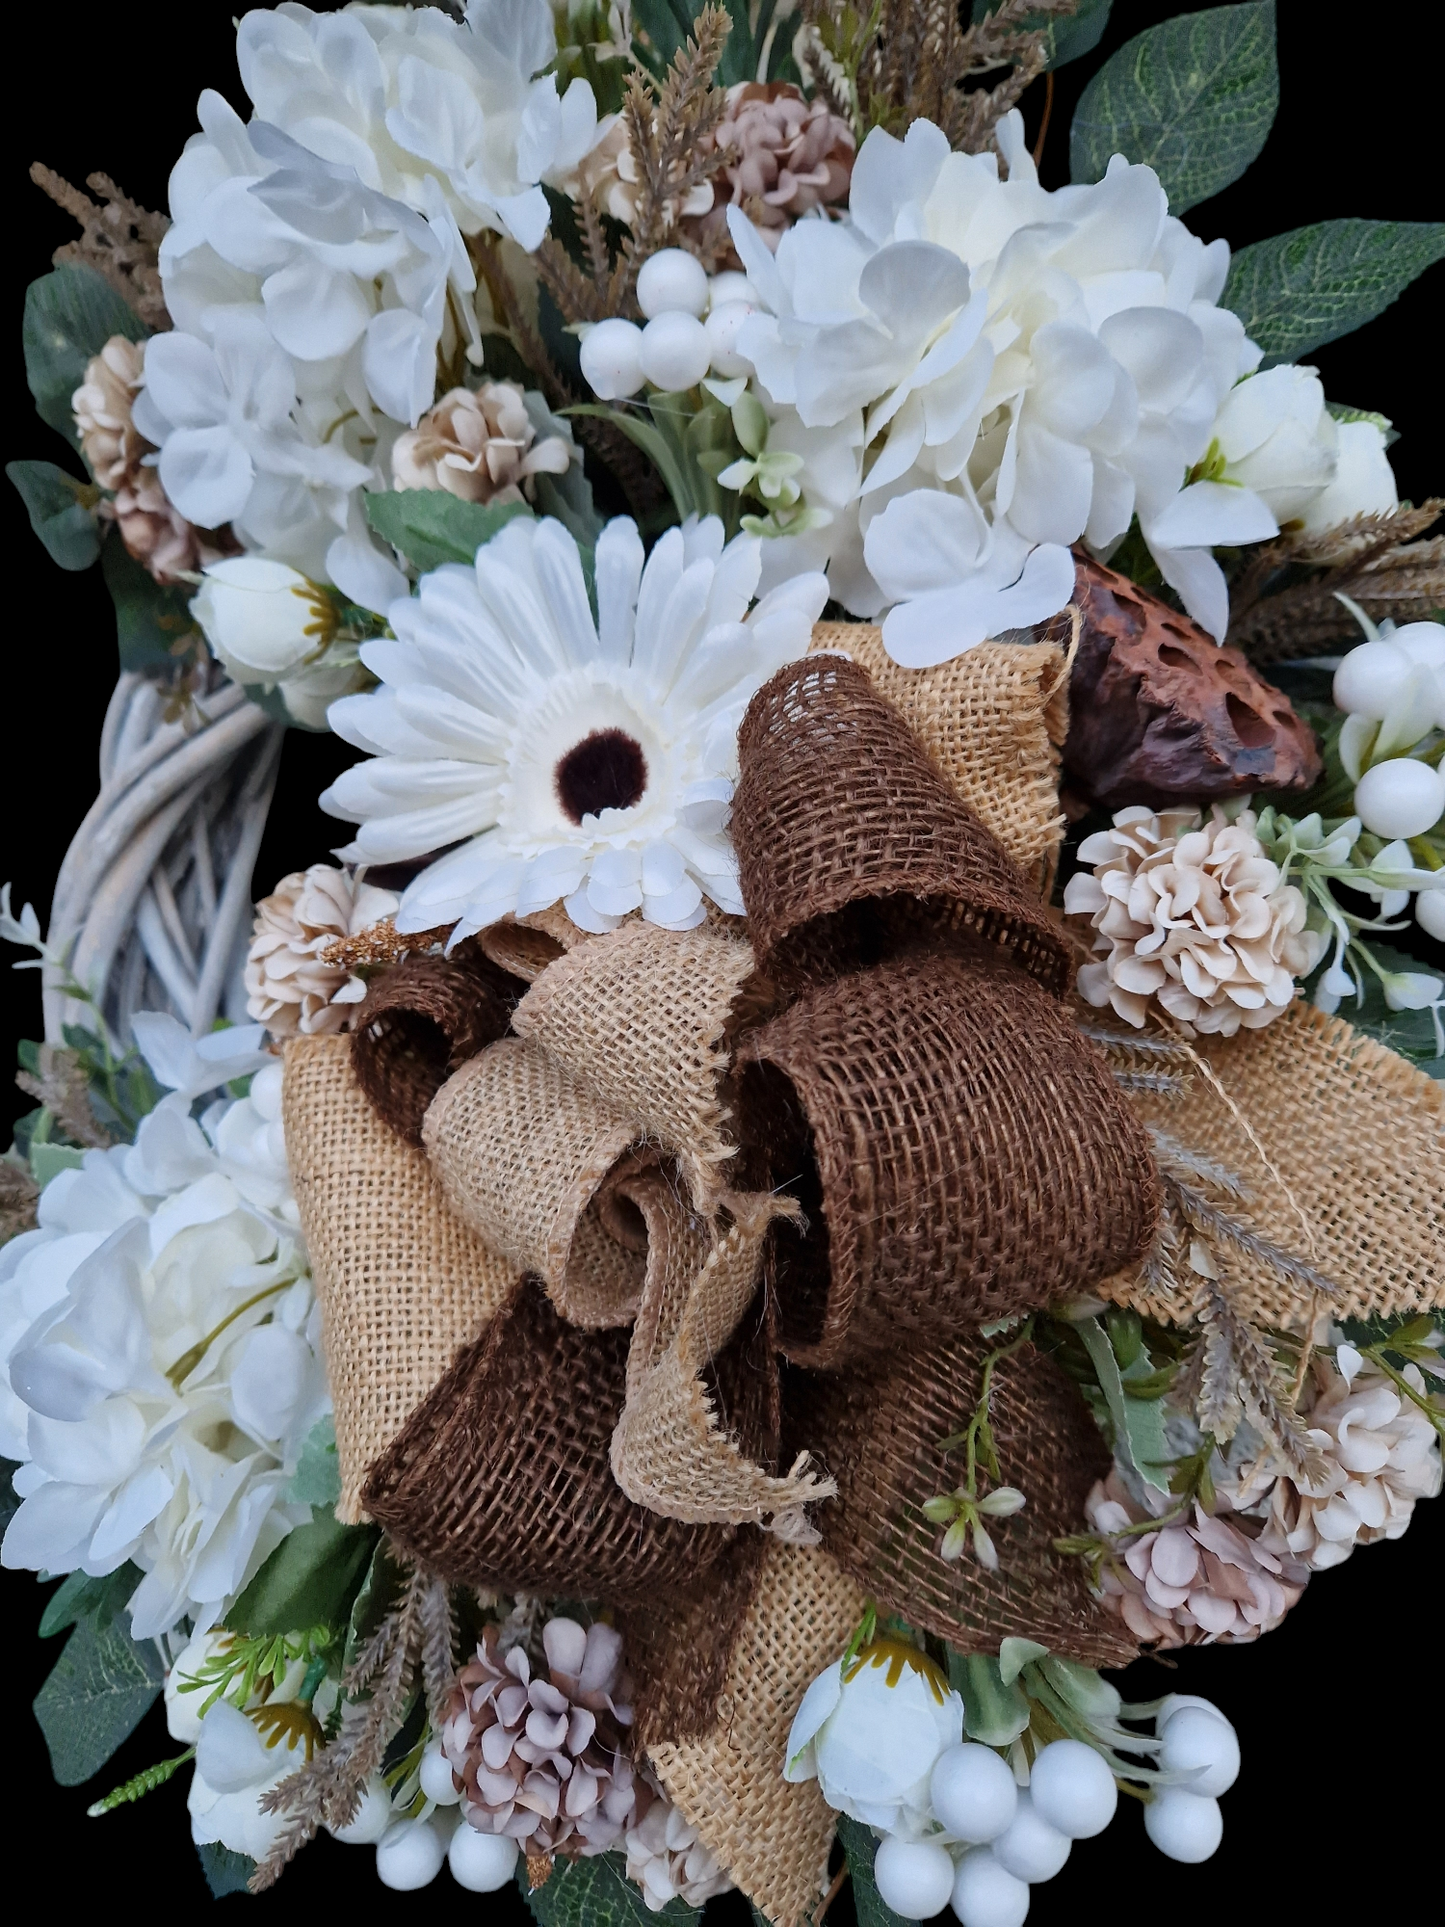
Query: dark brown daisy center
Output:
(605,771)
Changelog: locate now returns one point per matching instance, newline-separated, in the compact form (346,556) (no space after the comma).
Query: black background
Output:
(1337,1710)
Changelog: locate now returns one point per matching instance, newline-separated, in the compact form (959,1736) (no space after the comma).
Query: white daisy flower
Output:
(573,760)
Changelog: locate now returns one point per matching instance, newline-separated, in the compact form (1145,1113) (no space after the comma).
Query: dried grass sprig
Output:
(1285,604)
(1183,1162)
(1234,1352)
(119,240)
(438,1620)
(19,1195)
(1213,1222)
(64,1089)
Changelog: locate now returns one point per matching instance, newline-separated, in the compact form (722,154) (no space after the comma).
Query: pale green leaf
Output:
(226,1872)
(311,1579)
(317,1480)
(150,621)
(70,314)
(81,1597)
(1299,290)
(430,527)
(1121,1407)
(597,1893)
(57,514)
(1194,98)
(102,1687)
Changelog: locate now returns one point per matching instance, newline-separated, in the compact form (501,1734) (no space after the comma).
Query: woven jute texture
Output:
(525,946)
(850,842)
(420,1020)
(879,1433)
(772,1838)
(1356,1136)
(960,1154)
(640,1015)
(402,1282)
(501,1477)
(994,720)
(521,1148)
(679,1644)
(672,1450)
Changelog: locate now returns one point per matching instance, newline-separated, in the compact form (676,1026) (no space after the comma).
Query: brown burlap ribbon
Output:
(880,1433)
(401,1281)
(420,1021)
(501,1479)
(961,1155)
(851,844)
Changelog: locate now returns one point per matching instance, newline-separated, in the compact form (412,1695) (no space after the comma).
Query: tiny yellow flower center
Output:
(895,1654)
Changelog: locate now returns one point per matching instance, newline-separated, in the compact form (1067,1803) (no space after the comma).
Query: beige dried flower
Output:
(781,157)
(665,1857)
(479,444)
(1194,1581)
(540,1760)
(1194,914)
(1382,1454)
(153,530)
(290,987)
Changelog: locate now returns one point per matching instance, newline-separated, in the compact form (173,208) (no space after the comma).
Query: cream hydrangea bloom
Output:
(569,758)
(1194,914)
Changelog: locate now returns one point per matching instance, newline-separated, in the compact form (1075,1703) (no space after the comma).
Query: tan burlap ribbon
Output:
(1340,1144)
(402,1282)
(880,1432)
(420,1021)
(772,1837)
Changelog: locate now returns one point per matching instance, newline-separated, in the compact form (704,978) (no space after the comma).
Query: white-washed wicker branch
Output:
(152,903)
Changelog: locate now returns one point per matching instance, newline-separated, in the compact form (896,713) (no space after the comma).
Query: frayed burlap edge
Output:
(402,1283)
(994,721)
(772,1837)
(1356,1138)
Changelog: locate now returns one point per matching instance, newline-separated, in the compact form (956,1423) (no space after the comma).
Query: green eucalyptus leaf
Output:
(150,621)
(1410,1032)
(430,527)
(226,1872)
(70,314)
(1194,98)
(1076,34)
(311,1579)
(102,1686)
(9,1497)
(1135,1421)
(995,1710)
(1299,290)
(317,1480)
(81,1597)
(597,1893)
(58,515)
(861,1849)
(48,1160)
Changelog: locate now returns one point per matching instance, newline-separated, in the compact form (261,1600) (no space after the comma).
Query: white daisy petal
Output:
(619,562)
(579,908)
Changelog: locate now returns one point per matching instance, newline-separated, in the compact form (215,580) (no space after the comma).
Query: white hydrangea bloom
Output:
(160,1361)
(574,760)
(978,373)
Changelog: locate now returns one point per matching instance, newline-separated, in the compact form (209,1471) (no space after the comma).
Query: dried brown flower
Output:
(479,445)
(119,241)
(291,985)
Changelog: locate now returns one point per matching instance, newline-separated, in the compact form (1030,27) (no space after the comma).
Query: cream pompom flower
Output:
(1193,913)
(567,758)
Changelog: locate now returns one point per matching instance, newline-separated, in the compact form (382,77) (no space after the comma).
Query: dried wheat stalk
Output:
(19,1194)
(118,240)
(63,1088)
(1239,1368)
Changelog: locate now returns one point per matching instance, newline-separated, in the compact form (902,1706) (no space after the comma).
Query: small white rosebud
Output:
(261,618)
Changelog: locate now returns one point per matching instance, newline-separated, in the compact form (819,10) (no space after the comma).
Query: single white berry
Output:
(986,1894)
(1073,1789)
(1430,912)
(1422,642)
(1029,1848)
(611,359)
(674,352)
(1370,678)
(1203,1746)
(483,1863)
(436,1778)
(1183,1825)
(731,286)
(973,1793)
(372,1819)
(724,325)
(1401,797)
(672,282)
(914,1877)
(410,1855)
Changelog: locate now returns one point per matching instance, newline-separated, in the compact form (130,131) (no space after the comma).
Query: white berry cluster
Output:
(410,1851)
(691,329)
(1392,689)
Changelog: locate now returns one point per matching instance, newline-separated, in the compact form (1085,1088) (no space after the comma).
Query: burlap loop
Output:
(1356,1138)
(401,1282)
(420,1020)
(501,1478)
(521,1149)
(880,1432)
(994,720)
(851,844)
(526,946)
(772,1837)
(672,1450)
(960,1153)
(640,1016)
